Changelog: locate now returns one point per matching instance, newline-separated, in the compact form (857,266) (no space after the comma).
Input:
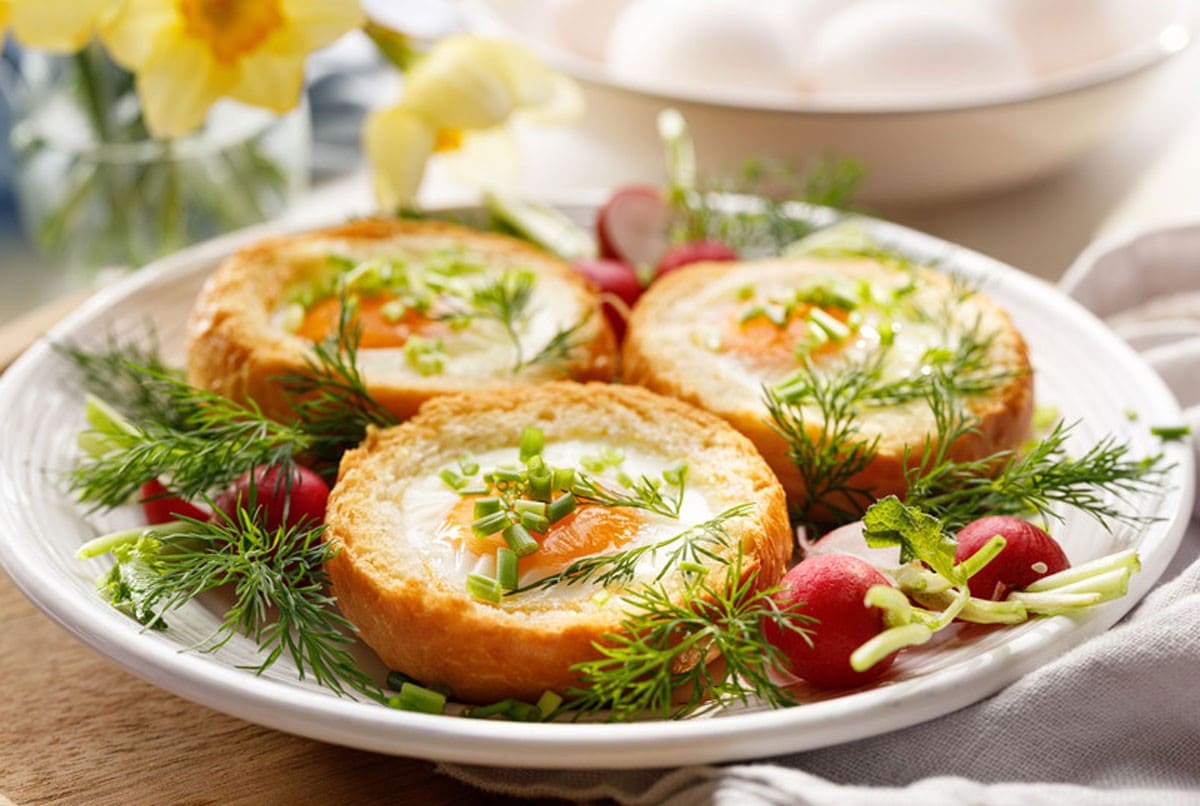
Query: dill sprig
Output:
(693,545)
(640,493)
(128,376)
(657,663)
(1033,482)
(826,449)
(216,442)
(559,349)
(330,398)
(276,577)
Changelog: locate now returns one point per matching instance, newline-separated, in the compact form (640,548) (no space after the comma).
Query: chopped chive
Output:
(744,293)
(396,679)
(474,489)
(535,522)
(484,588)
(452,479)
(887,333)
(490,524)
(564,478)
(503,473)
(779,316)
(834,328)
(751,313)
(293,317)
(1044,416)
(393,311)
(561,507)
(1170,433)
(491,709)
(468,466)
(524,712)
(676,474)
(536,507)
(506,568)
(519,540)
(540,484)
(612,456)
(535,462)
(533,439)
(548,703)
(413,697)
(624,479)
(691,567)
(487,506)
(1131,415)
(601,597)
(592,464)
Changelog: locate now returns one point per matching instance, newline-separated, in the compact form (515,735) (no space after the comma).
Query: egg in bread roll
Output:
(423,513)
(438,308)
(720,335)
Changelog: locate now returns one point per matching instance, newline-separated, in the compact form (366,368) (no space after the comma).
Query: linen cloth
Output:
(1114,721)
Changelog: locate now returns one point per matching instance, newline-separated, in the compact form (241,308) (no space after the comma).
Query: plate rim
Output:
(207,681)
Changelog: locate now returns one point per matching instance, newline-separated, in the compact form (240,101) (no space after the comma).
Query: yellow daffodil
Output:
(61,26)
(189,53)
(458,100)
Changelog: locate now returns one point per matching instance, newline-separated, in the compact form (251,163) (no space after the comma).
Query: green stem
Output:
(887,642)
(1122,559)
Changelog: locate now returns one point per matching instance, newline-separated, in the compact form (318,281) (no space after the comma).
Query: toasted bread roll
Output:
(717,335)
(407,548)
(440,309)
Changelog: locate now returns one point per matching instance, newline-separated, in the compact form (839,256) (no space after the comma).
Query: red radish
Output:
(301,502)
(1028,555)
(693,252)
(615,278)
(632,225)
(159,506)
(832,588)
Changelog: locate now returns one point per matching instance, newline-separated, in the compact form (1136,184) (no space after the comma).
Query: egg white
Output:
(482,349)
(426,503)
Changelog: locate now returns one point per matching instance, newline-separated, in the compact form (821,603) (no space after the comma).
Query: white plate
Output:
(1082,368)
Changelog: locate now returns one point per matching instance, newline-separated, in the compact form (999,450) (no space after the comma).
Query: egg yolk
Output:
(377,330)
(588,530)
(760,340)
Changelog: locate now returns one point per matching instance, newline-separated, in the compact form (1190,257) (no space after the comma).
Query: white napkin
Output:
(1114,721)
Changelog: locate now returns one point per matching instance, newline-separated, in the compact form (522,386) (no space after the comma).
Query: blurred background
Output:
(1019,128)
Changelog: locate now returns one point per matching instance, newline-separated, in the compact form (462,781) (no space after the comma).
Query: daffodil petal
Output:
(61,26)
(138,28)
(270,80)
(313,24)
(178,84)
(398,143)
(487,160)
(5,11)
(461,84)
(564,105)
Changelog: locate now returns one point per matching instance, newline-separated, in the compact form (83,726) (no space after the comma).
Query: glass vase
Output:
(95,190)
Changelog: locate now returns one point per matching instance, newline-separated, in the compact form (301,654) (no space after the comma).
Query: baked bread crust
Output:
(236,350)
(658,354)
(430,627)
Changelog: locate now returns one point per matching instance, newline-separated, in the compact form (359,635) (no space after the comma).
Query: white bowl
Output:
(913,151)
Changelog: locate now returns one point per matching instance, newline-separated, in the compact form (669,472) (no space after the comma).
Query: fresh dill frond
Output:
(216,442)
(127,375)
(330,398)
(640,493)
(1036,481)
(658,663)
(703,541)
(561,346)
(827,449)
(277,580)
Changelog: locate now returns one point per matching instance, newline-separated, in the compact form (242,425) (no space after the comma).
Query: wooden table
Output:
(76,728)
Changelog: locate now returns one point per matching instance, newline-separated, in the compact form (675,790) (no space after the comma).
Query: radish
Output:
(830,588)
(1028,555)
(302,502)
(618,279)
(159,506)
(632,225)
(694,252)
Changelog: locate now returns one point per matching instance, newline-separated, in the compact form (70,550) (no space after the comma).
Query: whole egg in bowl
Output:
(733,337)
(436,309)
(461,533)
